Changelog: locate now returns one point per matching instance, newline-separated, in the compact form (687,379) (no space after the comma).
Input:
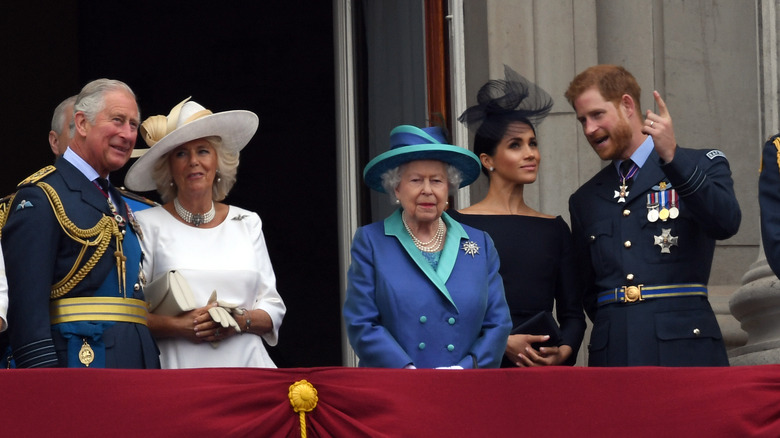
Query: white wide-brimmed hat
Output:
(187,121)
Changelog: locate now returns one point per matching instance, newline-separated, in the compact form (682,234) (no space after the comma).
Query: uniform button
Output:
(626,212)
(696,332)
(423,319)
(451,320)
(630,277)
(136,287)
(627,244)
(123,232)
(450,347)
(421,346)
(592,238)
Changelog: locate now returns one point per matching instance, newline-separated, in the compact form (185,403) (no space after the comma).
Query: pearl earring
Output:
(492,169)
(446,202)
(397,201)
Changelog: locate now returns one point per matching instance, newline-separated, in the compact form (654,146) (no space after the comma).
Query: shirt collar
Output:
(641,154)
(79,163)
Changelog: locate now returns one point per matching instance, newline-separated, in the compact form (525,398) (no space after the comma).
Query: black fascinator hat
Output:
(500,102)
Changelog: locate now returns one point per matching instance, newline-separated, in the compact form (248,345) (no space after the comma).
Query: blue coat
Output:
(38,254)
(616,246)
(399,311)
(769,201)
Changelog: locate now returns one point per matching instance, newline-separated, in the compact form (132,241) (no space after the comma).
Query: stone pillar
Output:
(757,303)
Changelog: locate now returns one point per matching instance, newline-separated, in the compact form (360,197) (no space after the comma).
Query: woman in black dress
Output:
(534,248)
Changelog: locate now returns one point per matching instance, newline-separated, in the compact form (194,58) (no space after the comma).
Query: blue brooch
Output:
(470,248)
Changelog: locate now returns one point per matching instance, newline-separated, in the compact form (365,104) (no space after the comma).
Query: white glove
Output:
(221,314)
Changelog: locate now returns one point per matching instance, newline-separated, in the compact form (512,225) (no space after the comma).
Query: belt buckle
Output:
(632,294)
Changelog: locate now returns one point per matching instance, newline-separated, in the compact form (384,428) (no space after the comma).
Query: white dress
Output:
(230,258)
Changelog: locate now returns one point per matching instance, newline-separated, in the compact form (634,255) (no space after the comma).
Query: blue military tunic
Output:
(624,244)
(40,254)
(769,201)
(399,310)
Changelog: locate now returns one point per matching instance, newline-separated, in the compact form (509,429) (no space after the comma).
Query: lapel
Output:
(78,183)
(394,227)
(607,182)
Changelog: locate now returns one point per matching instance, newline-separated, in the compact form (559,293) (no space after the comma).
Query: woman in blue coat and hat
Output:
(423,290)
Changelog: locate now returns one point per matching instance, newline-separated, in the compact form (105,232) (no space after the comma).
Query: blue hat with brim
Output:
(410,143)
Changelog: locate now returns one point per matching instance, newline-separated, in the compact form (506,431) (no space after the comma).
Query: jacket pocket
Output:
(689,338)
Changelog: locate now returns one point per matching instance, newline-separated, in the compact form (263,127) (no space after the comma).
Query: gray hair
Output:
(91,99)
(227,168)
(59,115)
(392,177)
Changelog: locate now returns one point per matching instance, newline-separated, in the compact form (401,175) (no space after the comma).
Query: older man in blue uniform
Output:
(72,252)
(645,228)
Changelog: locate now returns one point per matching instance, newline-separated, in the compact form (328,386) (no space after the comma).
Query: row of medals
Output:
(662,204)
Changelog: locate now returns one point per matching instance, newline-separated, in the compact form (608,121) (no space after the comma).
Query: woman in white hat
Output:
(536,249)
(423,290)
(218,249)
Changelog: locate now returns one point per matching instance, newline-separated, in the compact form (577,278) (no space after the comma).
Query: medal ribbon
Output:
(630,174)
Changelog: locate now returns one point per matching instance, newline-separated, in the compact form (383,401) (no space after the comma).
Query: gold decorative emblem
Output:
(86,354)
(632,293)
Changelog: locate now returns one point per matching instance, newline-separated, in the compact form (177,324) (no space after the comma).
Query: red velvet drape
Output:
(638,402)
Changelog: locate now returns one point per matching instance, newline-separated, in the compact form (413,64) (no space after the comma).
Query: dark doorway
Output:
(273,58)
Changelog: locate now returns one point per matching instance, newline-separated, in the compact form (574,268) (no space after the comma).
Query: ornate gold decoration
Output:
(86,354)
(632,294)
(303,398)
(100,236)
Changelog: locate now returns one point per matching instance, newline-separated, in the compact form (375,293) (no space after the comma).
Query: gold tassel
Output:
(303,398)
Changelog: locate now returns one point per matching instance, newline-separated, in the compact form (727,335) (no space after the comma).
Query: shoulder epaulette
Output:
(136,197)
(37,176)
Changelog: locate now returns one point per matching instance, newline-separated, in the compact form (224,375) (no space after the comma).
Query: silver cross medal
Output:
(665,240)
(621,195)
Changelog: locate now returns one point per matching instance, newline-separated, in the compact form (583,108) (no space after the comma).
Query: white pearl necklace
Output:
(196,219)
(432,245)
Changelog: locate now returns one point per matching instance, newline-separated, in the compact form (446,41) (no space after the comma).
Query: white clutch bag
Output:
(169,295)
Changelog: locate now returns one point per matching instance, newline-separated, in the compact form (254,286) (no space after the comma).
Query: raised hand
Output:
(659,126)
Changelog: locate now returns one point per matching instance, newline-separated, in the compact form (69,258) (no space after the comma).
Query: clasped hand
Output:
(213,322)
(522,354)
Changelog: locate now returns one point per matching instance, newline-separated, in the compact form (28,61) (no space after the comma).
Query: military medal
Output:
(115,213)
(134,223)
(86,354)
(664,213)
(665,240)
(622,191)
(674,212)
(621,195)
(652,207)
